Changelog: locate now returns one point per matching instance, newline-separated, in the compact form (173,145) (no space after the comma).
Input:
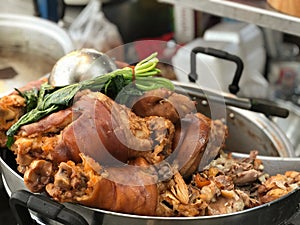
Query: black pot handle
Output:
(22,201)
(233,87)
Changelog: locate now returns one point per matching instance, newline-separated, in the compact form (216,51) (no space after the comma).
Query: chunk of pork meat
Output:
(135,192)
(242,171)
(196,135)
(226,205)
(134,189)
(164,103)
(120,134)
(109,133)
(176,199)
(38,174)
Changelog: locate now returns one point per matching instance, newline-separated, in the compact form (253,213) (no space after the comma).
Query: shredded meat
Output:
(278,186)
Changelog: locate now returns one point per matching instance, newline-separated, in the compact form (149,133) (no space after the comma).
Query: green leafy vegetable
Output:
(49,99)
(31,97)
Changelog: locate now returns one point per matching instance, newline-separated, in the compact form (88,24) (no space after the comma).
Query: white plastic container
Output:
(212,72)
(238,38)
(248,38)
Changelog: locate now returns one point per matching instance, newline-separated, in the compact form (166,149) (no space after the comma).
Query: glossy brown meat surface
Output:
(109,189)
(164,103)
(141,161)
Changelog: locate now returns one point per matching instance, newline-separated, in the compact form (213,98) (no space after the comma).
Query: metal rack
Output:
(252,11)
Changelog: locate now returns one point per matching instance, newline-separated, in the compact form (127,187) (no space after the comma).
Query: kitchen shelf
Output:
(252,11)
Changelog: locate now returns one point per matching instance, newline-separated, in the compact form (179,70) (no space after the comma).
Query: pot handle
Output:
(233,87)
(22,201)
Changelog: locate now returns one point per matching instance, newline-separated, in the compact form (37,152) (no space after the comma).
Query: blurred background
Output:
(129,30)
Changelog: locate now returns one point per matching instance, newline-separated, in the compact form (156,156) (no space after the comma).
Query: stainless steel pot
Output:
(29,47)
(262,215)
(248,130)
(283,211)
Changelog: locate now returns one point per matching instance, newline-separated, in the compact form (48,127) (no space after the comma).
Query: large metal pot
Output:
(29,47)
(248,130)
(255,129)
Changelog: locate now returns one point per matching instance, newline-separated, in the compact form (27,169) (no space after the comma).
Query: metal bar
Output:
(257,12)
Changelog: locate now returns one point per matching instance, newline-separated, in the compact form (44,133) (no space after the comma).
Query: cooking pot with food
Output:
(253,129)
(248,130)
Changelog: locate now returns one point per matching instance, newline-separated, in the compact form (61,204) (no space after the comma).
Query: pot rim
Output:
(266,205)
(133,216)
(47,27)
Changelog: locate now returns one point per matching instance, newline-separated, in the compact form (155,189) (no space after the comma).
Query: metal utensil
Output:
(255,105)
(80,65)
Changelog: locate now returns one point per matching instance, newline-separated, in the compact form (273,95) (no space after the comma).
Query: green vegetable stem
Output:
(49,99)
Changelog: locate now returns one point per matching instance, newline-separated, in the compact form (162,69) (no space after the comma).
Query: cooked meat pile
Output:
(141,159)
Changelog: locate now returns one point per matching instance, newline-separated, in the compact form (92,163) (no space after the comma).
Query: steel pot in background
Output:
(29,47)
